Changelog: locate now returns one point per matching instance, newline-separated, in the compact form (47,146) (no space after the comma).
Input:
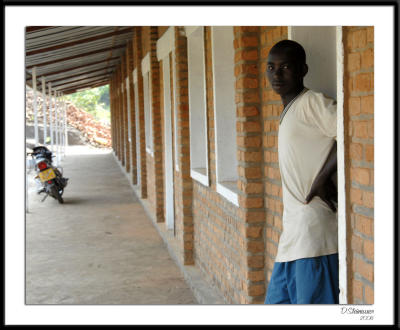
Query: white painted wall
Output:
(137,121)
(168,161)
(223,60)
(319,42)
(324,52)
(147,103)
(197,105)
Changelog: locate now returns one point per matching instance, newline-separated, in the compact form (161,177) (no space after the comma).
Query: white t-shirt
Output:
(306,135)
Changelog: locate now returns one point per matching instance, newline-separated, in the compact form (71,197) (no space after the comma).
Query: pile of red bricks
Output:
(95,133)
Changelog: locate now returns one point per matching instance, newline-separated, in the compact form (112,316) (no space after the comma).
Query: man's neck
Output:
(291,95)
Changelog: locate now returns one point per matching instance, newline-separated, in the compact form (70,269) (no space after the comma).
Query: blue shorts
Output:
(305,281)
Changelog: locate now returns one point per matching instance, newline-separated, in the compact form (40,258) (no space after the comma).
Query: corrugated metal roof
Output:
(74,57)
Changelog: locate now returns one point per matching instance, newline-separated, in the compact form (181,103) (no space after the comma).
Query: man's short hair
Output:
(292,47)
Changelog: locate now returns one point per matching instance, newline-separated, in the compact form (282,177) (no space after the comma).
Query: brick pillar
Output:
(125,113)
(129,69)
(112,105)
(184,194)
(271,109)
(250,157)
(137,57)
(358,111)
(157,125)
(120,121)
(116,97)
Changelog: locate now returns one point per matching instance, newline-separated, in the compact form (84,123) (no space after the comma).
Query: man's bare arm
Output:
(323,187)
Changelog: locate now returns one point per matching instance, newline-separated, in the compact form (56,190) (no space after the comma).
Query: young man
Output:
(306,265)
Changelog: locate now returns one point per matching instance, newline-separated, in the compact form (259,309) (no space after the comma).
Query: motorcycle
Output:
(49,179)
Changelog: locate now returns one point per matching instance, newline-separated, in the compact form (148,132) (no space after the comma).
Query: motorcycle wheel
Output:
(56,194)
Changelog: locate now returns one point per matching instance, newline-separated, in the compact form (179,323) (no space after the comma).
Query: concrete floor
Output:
(99,247)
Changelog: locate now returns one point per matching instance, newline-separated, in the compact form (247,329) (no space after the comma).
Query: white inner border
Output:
(17,17)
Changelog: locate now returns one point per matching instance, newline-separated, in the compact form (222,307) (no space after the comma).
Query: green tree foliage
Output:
(95,101)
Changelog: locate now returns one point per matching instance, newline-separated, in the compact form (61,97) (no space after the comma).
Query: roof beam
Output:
(74,81)
(78,42)
(94,84)
(36,28)
(76,75)
(73,68)
(77,56)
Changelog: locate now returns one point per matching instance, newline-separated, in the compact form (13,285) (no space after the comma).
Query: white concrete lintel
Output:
(190,29)
(166,43)
(146,64)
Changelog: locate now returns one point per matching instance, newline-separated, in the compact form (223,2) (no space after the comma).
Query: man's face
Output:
(284,73)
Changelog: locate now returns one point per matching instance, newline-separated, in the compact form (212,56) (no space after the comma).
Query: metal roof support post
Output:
(59,124)
(62,126)
(44,110)
(56,126)
(35,106)
(51,118)
(65,128)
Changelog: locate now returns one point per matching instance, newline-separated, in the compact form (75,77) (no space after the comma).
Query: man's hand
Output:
(324,189)
(323,186)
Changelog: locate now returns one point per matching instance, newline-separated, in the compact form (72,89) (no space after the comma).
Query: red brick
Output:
(252,188)
(360,175)
(357,289)
(360,38)
(363,82)
(247,83)
(356,151)
(365,270)
(248,28)
(370,34)
(248,126)
(256,276)
(249,111)
(370,128)
(250,172)
(354,106)
(278,223)
(255,261)
(277,32)
(256,290)
(369,294)
(245,68)
(271,249)
(368,250)
(360,129)
(356,196)
(357,244)
(255,246)
(367,58)
(254,231)
(247,97)
(367,104)
(249,156)
(267,111)
(247,41)
(249,141)
(246,55)
(368,199)
(252,217)
(251,202)
(364,225)
(369,152)
(354,62)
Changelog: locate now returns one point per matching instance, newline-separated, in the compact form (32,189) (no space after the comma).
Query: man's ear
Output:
(304,69)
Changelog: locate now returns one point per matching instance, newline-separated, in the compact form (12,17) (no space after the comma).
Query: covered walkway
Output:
(99,247)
